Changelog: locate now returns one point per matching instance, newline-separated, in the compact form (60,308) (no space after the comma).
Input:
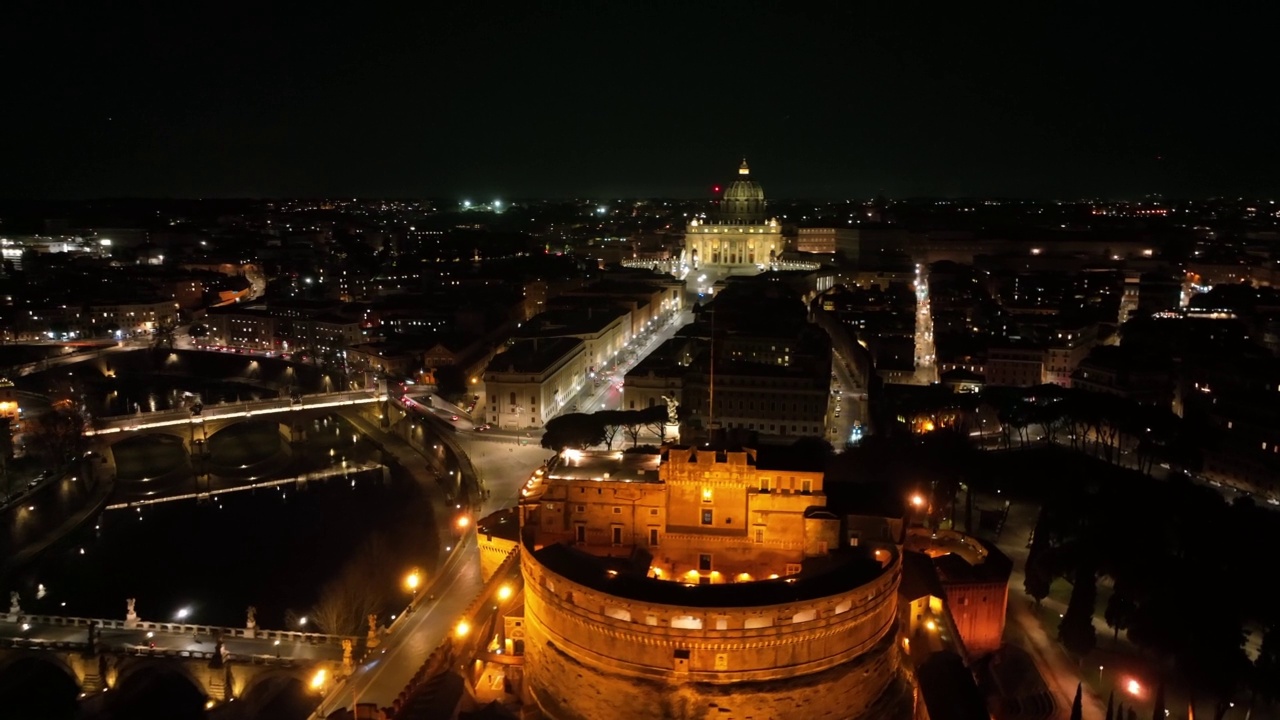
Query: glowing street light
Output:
(183,613)
(917,500)
(317,680)
(504,593)
(464,522)
(412,581)
(1133,687)
(462,628)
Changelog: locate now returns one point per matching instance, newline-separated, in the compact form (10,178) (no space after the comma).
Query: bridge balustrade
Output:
(185,629)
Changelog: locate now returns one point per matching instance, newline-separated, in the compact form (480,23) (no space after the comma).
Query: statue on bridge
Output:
(219,651)
(673,410)
(15,608)
(130,617)
(347,662)
(251,621)
(372,640)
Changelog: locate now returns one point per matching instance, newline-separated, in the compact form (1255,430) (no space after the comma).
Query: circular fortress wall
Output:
(601,645)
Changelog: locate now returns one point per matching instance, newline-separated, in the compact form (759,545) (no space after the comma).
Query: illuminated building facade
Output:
(738,236)
(702,582)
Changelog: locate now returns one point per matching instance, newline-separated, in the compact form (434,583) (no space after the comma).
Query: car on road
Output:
(482,428)
(453,418)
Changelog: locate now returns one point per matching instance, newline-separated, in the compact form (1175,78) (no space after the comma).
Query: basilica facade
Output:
(737,235)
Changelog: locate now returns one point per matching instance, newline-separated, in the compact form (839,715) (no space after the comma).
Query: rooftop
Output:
(561,323)
(837,572)
(616,466)
(533,356)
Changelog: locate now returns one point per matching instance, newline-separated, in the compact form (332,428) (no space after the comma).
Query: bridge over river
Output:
(183,417)
(224,663)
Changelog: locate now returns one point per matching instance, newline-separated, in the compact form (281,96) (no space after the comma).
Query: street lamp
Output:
(504,593)
(464,522)
(462,628)
(183,613)
(412,581)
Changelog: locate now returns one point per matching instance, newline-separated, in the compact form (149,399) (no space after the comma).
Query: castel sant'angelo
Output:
(711,583)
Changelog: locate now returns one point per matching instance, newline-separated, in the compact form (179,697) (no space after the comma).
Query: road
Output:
(413,636)
(608,396)
(503,469)
(849,399)
(1060,673)
(926,353)
(291,645)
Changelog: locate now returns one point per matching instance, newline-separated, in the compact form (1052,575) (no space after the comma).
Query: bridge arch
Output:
(165,683)
(277,694)
(37,684)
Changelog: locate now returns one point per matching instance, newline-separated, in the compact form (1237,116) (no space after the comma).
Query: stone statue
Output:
(251,621)
(373,640)
(14,607)
(130,603)
(346,654)
(673,410)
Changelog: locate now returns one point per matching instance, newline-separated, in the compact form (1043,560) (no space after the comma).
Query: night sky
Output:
(600,99)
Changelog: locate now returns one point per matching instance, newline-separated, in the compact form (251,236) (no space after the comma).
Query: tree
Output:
(1077,705)
(633,421)
(59,432)
(611,421)
(1213,654)
(1076,630)
(655,420)
(1111,705)
(1037,578)
(1037,572)
(162,336)
(1120,609)
(358,591)
(1157,709)
(573,430)
(1265,678)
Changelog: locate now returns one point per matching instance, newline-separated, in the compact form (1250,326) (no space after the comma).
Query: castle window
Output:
(704,562)
(617,534)
(708,517)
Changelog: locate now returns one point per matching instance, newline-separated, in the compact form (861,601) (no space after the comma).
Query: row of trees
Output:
(586,430)
(1099,424)
(1187,572)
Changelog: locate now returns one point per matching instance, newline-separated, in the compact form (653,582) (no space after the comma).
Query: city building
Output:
(737,236)
(1015,365)
(663,585)
(846,242)
(531,382)
(751,364)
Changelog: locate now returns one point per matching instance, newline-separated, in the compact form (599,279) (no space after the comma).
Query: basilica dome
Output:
(743,200)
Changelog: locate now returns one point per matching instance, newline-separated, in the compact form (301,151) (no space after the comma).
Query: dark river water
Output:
(271,548)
